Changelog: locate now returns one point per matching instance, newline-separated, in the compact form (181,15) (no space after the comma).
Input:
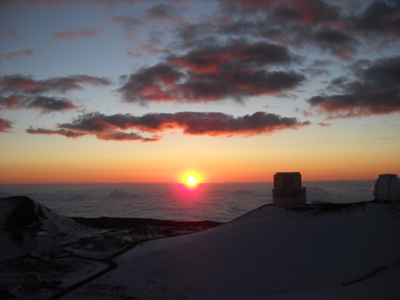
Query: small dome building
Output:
(31,282)
(386,187)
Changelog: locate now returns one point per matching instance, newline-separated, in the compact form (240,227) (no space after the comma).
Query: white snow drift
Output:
(273,253)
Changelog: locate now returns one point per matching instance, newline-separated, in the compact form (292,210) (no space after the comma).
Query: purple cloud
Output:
(213,73)
(18,54)
(18,91)
(375,91)
(191,123)
(5,125)
(73,35)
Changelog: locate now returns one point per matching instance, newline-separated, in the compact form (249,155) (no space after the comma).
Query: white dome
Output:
(31,282)
(386,187)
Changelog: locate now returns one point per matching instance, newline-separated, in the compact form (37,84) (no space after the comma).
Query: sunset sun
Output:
(191,180)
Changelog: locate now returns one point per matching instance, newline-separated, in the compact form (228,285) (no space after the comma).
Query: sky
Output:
(226,90)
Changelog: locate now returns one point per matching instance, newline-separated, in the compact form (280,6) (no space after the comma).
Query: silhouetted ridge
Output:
(24,215)
(115,223)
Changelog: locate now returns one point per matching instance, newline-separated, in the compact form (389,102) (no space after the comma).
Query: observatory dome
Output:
(386,187)
(31,282)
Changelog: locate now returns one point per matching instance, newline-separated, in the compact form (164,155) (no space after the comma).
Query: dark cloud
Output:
(307,11)
(375,91)
(51,104)
(307,23)
(325,124)
(46,104)
(216,124)
(318,67)
(214,73)
(103,127)
(237,54)
(339,29)
(52,3)
(197,34)
(18,91)
(292,19)
(321,63)
(120,136)
(157,83)
(244,6)
(72,35)
(287,13)
(163,12)
(263,27)
(380,17)
(129,24)
(106,135)
(149,86)
(337,42)
(314,72)
(192,123)
(13,34)
(14,55)
(25,84)
(154,138)
(5,125)
(338,84)
(97,123)
(67,133)
(209,32)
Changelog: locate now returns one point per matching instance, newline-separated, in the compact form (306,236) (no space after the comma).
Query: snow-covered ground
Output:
(271,253)
(56,274)
(78,252)
(329,252)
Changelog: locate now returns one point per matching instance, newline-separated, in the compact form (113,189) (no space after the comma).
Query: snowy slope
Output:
(352,253)
(21,218)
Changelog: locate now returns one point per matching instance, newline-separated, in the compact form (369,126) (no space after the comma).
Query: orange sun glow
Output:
(191,179)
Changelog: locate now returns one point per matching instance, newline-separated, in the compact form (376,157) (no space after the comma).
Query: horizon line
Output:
(172,182)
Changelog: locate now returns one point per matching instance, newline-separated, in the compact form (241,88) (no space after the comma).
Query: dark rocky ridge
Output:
(24,215)
(138,223)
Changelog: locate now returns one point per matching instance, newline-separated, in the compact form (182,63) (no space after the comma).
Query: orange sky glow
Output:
(147,91)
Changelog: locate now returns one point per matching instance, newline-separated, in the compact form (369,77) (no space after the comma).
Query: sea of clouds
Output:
(209,201)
